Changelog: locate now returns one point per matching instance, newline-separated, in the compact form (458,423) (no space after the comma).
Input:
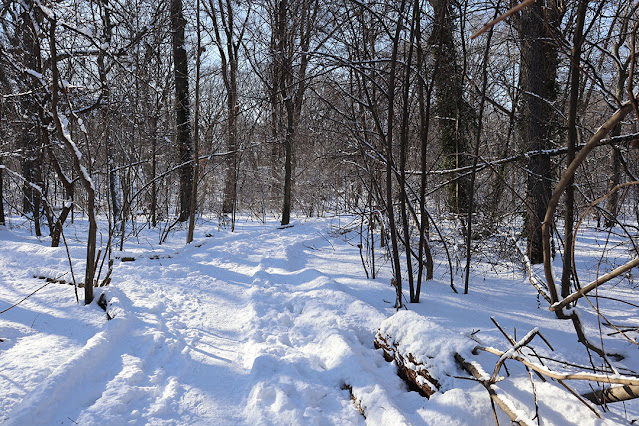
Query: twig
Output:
(26,297)
(516,348)
(502,17)
(492,390)
(512,342)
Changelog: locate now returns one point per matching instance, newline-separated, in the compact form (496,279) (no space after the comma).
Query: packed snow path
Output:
(259,326)
(234,328)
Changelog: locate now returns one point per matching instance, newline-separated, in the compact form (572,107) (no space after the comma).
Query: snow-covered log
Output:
(423,351)
(412,371)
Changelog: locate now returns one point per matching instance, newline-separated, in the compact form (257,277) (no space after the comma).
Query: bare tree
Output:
(292,25)
(228,38)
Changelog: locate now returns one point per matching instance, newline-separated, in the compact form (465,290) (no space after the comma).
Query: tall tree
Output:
(538,72)
(31,132)
(293,23)
(228,39)
(103,71)
(452,111)
(61,123)
(184,140)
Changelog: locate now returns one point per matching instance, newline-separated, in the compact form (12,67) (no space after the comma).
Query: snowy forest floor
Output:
(271,326)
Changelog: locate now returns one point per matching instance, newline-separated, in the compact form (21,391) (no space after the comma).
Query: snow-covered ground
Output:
(272,326)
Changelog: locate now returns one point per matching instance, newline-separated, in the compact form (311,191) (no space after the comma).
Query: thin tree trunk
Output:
(615,155)
(575,61)
(64,135)
(32,159)
(2,220)
(288,154)
(389,161)
(196,131)
(154,189)
(471,195)
(424,124)
(402,161)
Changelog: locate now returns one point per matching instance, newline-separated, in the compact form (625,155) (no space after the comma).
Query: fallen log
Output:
(414,373)
(51,280)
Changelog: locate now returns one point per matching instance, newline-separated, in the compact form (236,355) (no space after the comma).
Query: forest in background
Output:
(155,114)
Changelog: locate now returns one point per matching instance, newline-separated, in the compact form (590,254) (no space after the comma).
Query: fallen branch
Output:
(613,379)
(482,377)
(594,284)
(28,296)
(533,278)
(356,402)
(613,394)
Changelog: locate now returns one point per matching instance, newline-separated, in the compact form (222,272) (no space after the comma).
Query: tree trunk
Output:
(575,61)
(31,160)
(196,136)
(288,154)
(403,197)
(154,186)
(449,105)
(61,124)
(2,220)
(56,224)
(390,163)
(182,110)
(538,72)
(228,50)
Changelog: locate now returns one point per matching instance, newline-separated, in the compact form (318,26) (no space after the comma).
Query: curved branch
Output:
(619,115)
